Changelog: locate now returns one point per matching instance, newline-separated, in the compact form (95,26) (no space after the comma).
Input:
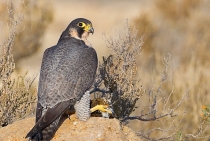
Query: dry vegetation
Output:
(17,94)
(161,110)
(117,77)
(173,69)
(31,31)
(180,28)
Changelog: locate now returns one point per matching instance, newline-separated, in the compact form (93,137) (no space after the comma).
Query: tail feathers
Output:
(48,133)
(50,118)
(38,137)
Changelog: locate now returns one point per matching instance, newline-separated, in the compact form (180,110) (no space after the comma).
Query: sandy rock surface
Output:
(95,129)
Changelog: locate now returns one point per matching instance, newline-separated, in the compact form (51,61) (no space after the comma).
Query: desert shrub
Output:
(158,107)
(17,99)
(117,77)
(17,96)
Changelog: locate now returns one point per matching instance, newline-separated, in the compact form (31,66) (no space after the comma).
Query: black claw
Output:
(4,124)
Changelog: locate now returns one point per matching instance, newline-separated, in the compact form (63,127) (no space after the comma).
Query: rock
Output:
(95,129)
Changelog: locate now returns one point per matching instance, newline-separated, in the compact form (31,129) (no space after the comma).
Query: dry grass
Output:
(181,29)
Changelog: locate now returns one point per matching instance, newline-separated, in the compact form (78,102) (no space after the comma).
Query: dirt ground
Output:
(95,129)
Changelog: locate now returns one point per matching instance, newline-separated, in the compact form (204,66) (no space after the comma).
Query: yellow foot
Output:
(102,108)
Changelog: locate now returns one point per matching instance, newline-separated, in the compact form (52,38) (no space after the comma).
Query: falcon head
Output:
(78,28)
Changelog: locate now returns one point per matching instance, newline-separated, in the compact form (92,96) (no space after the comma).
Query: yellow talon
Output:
(102,108)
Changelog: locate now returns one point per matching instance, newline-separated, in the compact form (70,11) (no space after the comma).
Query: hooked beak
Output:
(91,30)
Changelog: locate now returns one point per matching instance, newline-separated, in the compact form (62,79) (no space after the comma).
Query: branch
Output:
(96,89)
(146,119)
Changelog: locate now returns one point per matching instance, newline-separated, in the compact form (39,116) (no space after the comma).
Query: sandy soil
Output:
(95,129)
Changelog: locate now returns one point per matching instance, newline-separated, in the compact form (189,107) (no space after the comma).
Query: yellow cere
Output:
(87,27)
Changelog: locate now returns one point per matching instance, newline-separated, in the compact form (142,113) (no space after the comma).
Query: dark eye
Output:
(80,24)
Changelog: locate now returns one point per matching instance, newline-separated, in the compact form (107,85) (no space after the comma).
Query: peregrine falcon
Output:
(68,70)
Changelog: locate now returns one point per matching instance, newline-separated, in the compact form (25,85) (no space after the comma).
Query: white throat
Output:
(85,35)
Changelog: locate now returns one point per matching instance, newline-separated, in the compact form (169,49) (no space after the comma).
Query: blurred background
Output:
(176,27)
